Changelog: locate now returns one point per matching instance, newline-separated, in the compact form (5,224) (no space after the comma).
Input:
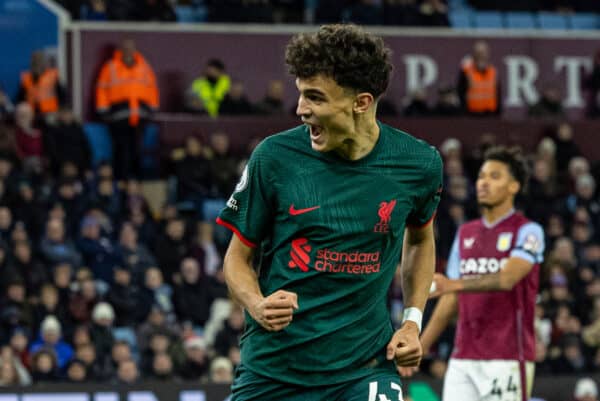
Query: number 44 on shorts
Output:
(374,396)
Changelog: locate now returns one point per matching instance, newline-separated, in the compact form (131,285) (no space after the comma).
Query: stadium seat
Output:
(185,14)
(100,142)
(488,19)
(548,20)
(520,20)
(583,21)
(460,19)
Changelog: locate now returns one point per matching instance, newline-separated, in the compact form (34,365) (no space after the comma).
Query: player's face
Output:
(495,184)
(327,109)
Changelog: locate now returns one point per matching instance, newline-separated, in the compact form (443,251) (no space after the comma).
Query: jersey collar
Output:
(500,220)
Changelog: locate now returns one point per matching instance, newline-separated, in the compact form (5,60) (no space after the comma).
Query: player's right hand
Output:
(275,312)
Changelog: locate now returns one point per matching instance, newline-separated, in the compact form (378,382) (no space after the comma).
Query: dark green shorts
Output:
(383,384)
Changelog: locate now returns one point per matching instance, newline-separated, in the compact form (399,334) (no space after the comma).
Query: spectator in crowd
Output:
(204,249)
(125,297)
(566,148)
(98,252)
(236,102)
(77,372)
(156,321)
(12,371)
(193,172)
(232,330)
(49,305)
(40,87)
(172,246)
(65,142)
(126,96)
(549,104)
(208,91)
(44,367)
(224,169)
(29,140)
(478,83)
(127,373)
(163,369)
(196,363)
(221,371)
(273,102)
(103,316)
(133,255)
(98,367)
(27,267)
(84,298)
(121,351)
(156,291)
(94,10)
(15,311)
(56,247)
(51,339)
(586,389)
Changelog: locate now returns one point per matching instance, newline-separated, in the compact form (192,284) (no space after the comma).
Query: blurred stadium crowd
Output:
(97,286)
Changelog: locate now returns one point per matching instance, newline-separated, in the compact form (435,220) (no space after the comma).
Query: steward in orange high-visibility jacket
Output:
(126,88)
(40,87)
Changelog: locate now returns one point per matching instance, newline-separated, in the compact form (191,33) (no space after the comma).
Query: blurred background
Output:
(125,124)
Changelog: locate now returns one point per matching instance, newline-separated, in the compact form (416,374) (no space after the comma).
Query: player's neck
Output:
(363,138)
(492,215)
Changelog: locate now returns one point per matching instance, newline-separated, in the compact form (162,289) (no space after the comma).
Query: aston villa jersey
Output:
(330,230)
(496,324)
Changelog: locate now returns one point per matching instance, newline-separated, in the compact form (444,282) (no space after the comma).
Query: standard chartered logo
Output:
(332,261)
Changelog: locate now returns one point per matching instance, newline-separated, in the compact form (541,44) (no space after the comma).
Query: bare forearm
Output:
(444,312)
(488,282)
(241,280)
(418,263)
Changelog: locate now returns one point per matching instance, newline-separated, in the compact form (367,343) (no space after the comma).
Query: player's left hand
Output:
(441,285)
(405,347)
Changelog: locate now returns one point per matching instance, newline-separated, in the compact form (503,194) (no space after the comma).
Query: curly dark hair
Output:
(515,160)
(353,58)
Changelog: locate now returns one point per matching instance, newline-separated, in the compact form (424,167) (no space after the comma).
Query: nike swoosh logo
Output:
(296,212)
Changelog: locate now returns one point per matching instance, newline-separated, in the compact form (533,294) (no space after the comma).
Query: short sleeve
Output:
(430,190)
(248,212)
(453,265)
(530,243)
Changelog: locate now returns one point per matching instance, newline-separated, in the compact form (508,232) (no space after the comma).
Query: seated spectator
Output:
(19,343)
(221,371)
(132,254)
(83,300)
(232,330)
(103,316)
(157,292)
(120,352)
(50,339)
(97,366)
(204,249)
(49,305)
(208,91)
(12,371)
(65,141)
(144,225)
(196,364)
(98,252)
(15,311)
(44,368)
(193,172)
(171,247)
(236,102)
(126,299)
(29,141)
(224,168)
(273,102)
(549,104)
(107,197)
(56,248)
(127,373)
(163,369)
(77,372)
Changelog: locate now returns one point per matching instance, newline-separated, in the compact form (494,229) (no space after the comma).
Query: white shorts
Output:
(490,380)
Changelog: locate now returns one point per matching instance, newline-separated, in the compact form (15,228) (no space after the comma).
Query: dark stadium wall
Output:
(526,65)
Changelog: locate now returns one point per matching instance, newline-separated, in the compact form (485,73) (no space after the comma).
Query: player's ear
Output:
(362,102)
(514,187)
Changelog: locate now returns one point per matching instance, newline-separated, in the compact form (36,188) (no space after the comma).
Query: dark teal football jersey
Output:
(330,230)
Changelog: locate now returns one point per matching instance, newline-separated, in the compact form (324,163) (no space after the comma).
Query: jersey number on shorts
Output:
(511,387)
(373,389)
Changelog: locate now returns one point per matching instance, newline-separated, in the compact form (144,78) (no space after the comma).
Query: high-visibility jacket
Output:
(41,94)
(125,92)
(482,90)
(211,95)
